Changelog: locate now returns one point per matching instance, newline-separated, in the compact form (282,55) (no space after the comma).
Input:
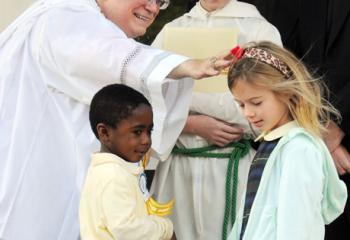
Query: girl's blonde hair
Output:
(301,92)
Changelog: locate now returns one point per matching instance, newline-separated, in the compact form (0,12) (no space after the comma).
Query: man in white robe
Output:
(198,184)
(53,59)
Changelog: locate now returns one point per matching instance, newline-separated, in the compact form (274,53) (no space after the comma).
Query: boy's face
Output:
(132,16)
(131,139)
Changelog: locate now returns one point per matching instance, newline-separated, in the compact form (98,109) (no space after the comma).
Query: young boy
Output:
(112,204)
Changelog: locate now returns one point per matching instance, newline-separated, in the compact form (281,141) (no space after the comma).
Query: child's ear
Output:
(103,133)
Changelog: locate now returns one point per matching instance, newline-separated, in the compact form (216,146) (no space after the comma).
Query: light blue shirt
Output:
(299,192)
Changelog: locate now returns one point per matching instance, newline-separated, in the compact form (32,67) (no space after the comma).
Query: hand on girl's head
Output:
(222,62)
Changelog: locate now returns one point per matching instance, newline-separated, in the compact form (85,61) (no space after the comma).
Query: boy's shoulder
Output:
(110,166)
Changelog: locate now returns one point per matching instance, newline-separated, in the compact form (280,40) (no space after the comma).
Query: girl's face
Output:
(260,106)
(131,139)
(212,5)
(132,16)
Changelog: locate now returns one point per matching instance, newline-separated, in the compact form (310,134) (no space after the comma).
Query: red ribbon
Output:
(237,52)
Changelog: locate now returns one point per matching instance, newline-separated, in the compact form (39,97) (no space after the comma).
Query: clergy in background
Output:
(198,183)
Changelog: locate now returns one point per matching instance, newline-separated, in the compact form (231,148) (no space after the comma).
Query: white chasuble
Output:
(53,59)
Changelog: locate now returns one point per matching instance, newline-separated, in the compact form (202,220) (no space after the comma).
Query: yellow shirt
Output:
(112,205)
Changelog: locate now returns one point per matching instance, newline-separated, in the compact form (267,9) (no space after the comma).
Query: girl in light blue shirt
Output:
(293,187)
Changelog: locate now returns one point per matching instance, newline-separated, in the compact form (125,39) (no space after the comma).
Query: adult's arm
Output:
(341,159)
(333,138)
(80,51)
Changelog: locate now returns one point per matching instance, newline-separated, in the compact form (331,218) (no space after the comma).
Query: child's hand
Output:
(173,237)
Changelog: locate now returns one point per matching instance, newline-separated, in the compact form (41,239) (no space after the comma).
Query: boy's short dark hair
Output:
(112,104)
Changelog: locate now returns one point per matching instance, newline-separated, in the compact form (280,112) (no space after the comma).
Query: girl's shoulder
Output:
(299,137)
(300,145)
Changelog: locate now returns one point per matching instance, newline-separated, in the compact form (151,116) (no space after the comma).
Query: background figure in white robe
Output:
(53,59)
(198,184)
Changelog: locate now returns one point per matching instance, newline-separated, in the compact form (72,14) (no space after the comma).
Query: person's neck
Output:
(208,10)
(104,149)
(211,10)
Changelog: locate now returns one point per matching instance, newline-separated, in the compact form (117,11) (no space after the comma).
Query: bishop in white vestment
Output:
(53,59)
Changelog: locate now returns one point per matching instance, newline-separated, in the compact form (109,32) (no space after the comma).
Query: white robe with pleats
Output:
(53,59)
(198,184)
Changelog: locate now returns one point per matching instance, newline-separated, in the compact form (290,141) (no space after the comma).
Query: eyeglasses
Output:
(163,4)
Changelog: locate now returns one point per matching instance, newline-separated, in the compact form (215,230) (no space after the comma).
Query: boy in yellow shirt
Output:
(114,199)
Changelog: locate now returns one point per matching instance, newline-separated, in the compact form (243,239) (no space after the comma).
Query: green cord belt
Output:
(240,149)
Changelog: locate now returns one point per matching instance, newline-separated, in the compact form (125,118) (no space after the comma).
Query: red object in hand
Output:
(237,52)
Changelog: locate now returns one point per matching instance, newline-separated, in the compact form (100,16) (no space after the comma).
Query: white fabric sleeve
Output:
(89,52)
(221,106)
(81,52)
(264,32)
(300,192)
(118,204)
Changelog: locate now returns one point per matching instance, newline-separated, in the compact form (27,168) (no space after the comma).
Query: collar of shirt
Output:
(277,132)
(102,158)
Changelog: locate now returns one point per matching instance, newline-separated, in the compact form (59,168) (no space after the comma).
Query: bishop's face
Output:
(212,5)
(132,16)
